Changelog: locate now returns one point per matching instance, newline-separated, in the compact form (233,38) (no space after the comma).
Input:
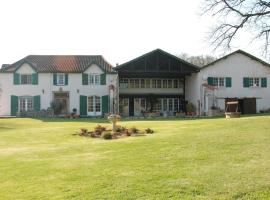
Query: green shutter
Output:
(37,103)
(66,79)
(103,79)
(54,79)
(105,104)
(14,105)
(245,82)
(85,79)
(35,79)
(264,82)
(210,80)
(16,79)
(228,82)
(83,105)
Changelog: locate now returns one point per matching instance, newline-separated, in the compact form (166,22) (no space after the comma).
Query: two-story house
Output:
(85,83)
(238,76)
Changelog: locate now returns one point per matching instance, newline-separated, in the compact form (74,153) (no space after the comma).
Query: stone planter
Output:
(114,119)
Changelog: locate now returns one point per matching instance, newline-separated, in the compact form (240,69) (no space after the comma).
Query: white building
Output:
(155,83)
(85,83)
(237,76)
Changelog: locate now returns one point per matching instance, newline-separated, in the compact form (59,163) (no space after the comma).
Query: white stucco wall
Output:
(237,66)
(45,83)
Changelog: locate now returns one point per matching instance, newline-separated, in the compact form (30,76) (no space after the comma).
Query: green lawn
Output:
(184,159)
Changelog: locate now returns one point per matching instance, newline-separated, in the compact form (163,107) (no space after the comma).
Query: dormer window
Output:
(60,79)
(26,79)
(93,79)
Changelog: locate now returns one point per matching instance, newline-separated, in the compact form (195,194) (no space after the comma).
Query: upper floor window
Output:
(26,79)
(219,81)
(60,79)
(94,79)
(254,82)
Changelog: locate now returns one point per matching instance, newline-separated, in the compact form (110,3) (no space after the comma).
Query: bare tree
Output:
(235,16)
(197,60)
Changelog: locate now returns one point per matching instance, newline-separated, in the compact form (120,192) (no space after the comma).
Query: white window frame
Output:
(27,100)
(93,79)
(94,102)
(28,79)
(252,80)
(217,81)
(58,75)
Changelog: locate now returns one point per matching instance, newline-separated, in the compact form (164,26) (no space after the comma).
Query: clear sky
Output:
(120,30)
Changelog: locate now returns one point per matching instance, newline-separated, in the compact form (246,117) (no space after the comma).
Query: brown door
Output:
(63,98)
(249,106)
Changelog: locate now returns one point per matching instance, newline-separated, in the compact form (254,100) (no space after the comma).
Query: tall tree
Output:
(197,60)
(234,16)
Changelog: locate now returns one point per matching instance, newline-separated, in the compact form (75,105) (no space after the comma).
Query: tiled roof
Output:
(60,63)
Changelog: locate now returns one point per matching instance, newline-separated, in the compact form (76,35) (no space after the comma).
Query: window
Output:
(123,83)
(254,82)
(94,104)
(143,104)
(176,104)
(97,104)
(94,79)
(170,104)
(91,104)
(215,81)
(158,83)
(158,105)
(142,83)
(26,79)
(169,83)
(164,82)
(154,83)
(136,83)
(219,81)
(60,79)
(131,83)
(165,105)
(175,83)
(26,104)
(147,83)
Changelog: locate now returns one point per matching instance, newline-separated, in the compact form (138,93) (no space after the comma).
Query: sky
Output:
(120,30)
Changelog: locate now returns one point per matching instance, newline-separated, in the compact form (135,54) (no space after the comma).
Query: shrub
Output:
(149,131)
(99,129)
(134,130)
(120,129)
(106,135)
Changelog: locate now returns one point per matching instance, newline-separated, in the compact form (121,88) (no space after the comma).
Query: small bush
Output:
(107,135)
(149,131)
(99,129)
(120,129)
(134,130)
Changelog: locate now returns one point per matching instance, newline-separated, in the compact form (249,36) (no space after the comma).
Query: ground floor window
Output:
(26,104)
(94,105)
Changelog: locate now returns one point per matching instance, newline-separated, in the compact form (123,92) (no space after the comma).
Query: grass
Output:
(183,159)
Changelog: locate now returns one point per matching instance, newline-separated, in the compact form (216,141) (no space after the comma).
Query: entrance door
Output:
(94,106)
(124,107)
(139,106)
(63,99)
